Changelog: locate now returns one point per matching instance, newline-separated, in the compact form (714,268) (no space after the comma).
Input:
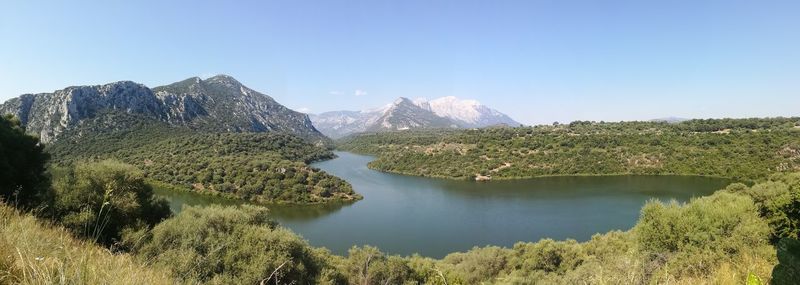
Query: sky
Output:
(537,61)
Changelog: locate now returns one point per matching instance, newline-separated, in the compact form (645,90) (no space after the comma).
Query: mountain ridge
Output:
(404,113)
(219,103)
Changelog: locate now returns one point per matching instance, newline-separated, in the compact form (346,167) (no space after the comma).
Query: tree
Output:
(23,181)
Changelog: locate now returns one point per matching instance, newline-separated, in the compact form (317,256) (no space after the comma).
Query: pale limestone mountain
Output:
(216,104)
(403,113)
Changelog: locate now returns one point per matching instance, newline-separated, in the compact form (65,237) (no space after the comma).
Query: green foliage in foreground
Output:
(37,252)
(788,270)
(778,200)
(749,149)
(719,239)
(230,246)
(104,201)
(22,165)
(259,167)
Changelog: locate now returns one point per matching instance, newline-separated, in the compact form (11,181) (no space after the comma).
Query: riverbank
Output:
(749,150)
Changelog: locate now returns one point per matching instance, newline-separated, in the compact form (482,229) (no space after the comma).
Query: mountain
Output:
(337,124)
(403,113)
(467,113)
(217,104)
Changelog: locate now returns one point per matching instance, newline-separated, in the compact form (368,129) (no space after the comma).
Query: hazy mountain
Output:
(467,113)
(338,124)
(219,103)
(403,113)
(671,120)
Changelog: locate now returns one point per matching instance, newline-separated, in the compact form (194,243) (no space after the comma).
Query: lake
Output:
(405,214)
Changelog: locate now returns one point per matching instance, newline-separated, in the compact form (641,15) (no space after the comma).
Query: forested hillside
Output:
(259,167)
(735,148)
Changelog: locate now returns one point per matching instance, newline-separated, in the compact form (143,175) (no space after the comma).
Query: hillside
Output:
(213,136)
(734,148)
(260,167)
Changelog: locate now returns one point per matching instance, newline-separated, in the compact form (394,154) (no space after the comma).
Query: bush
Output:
(693,239)
(778,201)
(368,265)
(106,200)
(22,166)
(788,270)
(478,264)
(230,245)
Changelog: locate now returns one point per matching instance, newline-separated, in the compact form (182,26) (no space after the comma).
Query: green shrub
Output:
(778,201)
(693,239)
(368,265)
(478,264)
(788,269)
(547,255)
(230,245)
(106,200)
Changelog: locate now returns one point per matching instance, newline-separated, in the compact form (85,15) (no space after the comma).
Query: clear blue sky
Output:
(538,61)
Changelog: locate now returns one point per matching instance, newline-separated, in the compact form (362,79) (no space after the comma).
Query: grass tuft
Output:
(32,252)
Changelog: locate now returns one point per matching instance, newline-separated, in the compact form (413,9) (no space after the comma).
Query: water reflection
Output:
(282,212)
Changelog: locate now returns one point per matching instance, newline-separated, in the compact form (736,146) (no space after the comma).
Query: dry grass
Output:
(32,252)
(727,273)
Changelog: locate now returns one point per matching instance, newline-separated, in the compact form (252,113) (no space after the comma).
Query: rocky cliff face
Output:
(47,115)
(219,103)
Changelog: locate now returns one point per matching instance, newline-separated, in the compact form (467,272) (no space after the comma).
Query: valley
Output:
(435,199)
(399,142)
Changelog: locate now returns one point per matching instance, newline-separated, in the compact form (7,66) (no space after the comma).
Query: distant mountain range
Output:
(216,104)
(403,114)
(670,120)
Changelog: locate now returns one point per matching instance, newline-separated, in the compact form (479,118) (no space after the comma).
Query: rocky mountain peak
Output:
(220,103)
(225,80)
(404,113)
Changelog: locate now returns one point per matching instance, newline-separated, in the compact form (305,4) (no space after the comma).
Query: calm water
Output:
(433,217)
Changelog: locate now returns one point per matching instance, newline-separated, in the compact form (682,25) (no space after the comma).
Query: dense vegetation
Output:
(747,149)
(105,201)
(22,162)
(259,167)
(738,233)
